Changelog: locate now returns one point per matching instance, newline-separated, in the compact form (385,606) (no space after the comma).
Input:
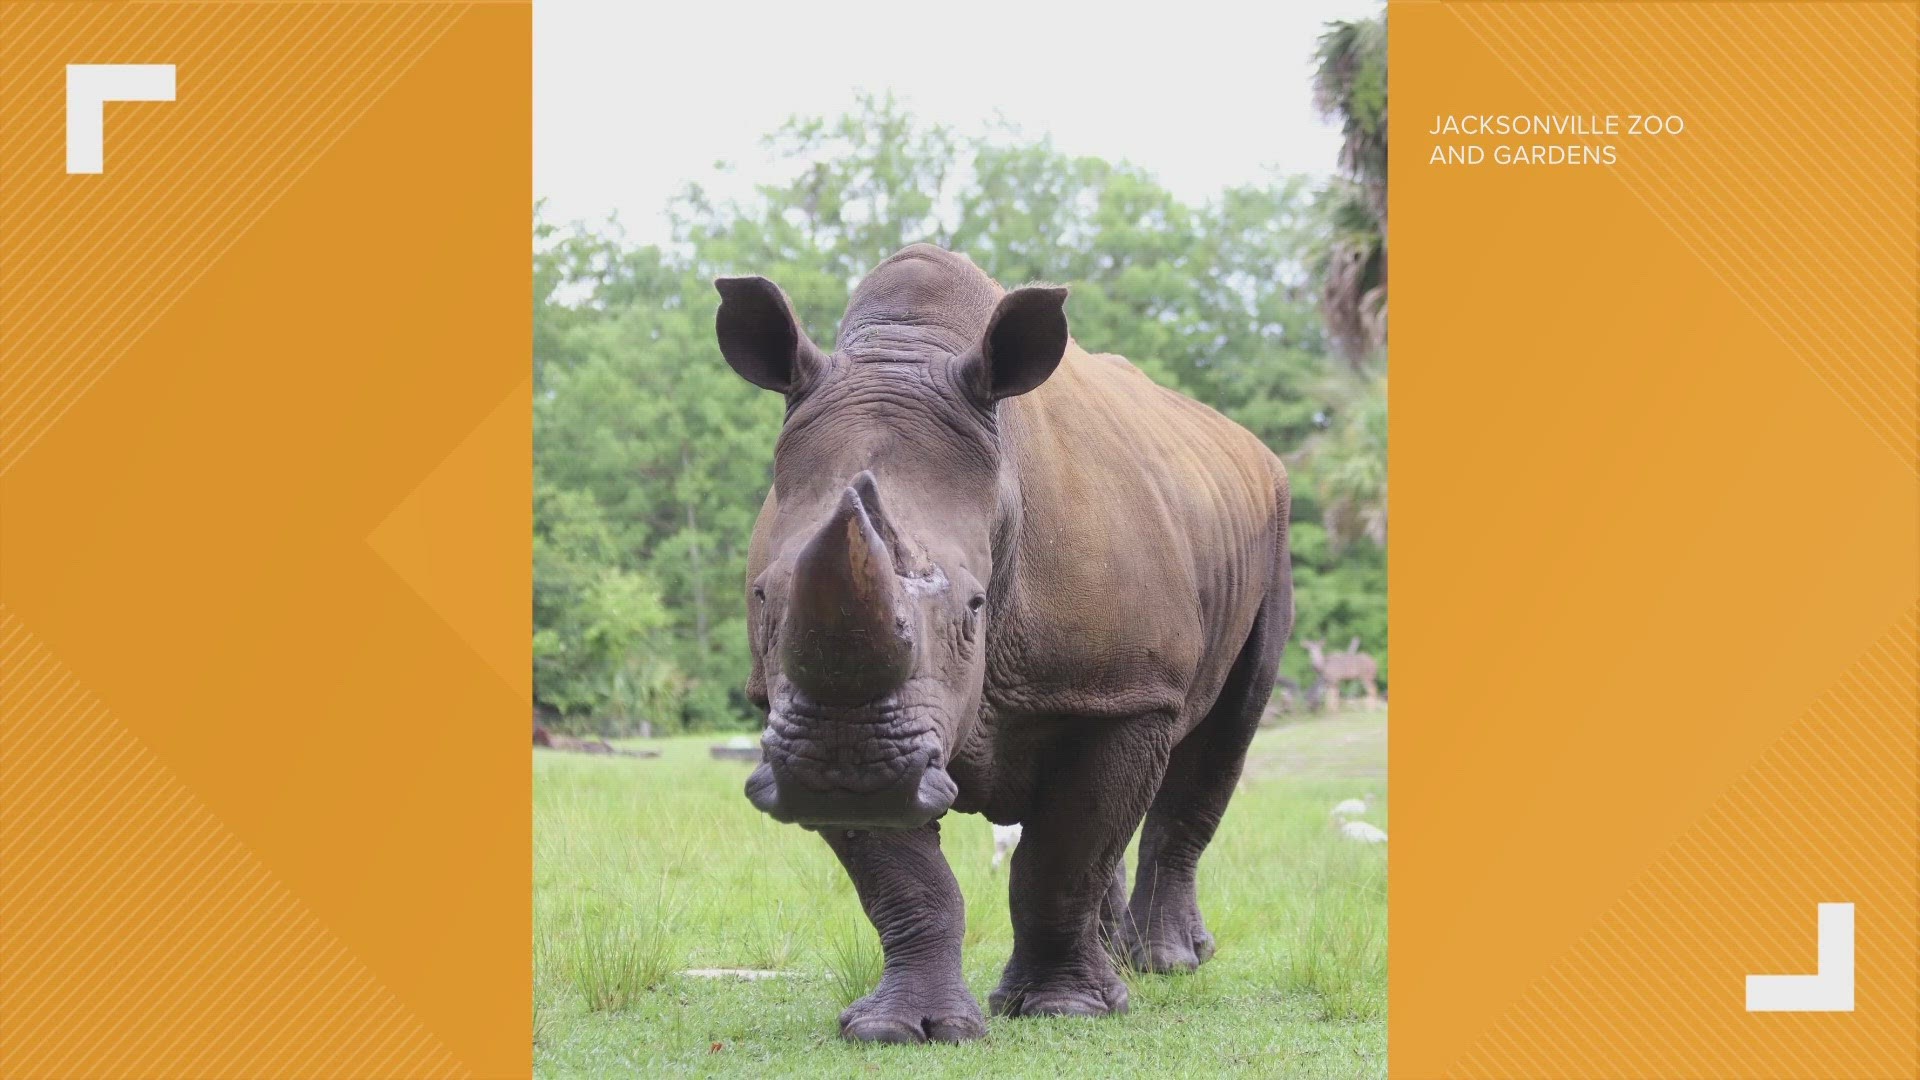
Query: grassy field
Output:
(644,869)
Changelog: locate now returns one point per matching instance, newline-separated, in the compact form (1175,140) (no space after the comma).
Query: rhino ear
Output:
(760,336)
(1024,341)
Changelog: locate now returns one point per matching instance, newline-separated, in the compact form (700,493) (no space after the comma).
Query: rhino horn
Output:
(846,639)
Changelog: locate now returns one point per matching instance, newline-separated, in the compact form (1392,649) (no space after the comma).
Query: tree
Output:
(1347,460)
(1350,86)
(595,648)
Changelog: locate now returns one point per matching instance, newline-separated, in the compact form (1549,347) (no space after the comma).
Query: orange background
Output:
(264,486)
(1654,556)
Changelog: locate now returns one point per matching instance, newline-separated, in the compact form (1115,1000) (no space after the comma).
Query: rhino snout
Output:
(916,797)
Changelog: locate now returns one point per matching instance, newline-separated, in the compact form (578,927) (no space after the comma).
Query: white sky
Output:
(634,99)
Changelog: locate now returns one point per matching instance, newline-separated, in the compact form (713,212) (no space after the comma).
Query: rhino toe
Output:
(897,1014)
(954,1029)
(1063,999)
(881,1029)
(1178,948)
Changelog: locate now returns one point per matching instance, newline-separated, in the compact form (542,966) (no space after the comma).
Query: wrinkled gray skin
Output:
(999,575)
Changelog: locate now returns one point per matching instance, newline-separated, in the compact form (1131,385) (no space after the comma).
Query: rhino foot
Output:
(1063,996)
(1173,945)
(904,1011)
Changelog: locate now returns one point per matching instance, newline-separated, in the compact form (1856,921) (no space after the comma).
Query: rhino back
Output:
(1149,532)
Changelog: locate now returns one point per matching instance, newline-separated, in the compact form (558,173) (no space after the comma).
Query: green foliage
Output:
(637,418)
(1350,86)
(1350,257)
(1347,260)
(594,621)
(1339,593)
(652,457)
(1348,463)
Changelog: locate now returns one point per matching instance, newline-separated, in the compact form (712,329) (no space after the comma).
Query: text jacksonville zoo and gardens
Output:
(1577,138)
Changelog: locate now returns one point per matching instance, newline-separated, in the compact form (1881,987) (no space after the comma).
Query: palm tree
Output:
(1347,462)
(1349,262)
(1350,86)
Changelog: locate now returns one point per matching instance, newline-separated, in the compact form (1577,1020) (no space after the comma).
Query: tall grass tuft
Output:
(542,1026)
(610,960)
(770,941)
(1121,958)
(1336,949)
(854,961)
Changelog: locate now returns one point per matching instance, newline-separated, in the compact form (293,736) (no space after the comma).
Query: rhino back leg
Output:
(1164,930)
(909,893)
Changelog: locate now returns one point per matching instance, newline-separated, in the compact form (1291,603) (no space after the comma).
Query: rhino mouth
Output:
(880,767)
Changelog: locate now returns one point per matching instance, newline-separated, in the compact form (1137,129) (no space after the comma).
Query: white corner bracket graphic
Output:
(1828,990)
(89,88)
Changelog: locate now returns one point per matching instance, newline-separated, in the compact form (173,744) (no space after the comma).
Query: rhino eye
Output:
(979,601)
(759,593)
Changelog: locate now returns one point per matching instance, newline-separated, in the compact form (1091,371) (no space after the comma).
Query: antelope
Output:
(1342,667)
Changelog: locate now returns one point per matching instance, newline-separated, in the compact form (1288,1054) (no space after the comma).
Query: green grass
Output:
(646,868)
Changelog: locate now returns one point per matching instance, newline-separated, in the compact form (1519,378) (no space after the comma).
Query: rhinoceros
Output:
(997,574)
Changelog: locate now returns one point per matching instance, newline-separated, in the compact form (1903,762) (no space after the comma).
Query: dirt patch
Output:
(593,744)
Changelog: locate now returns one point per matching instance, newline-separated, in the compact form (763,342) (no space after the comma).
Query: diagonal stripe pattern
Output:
(1794,181)
(1656,989)
(90,262)
(141,937)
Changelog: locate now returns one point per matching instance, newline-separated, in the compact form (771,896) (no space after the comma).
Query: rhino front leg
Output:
(1115,919)
(1064,894)
(909,893)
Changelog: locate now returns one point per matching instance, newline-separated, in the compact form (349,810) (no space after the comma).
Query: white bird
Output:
(1350,808)
(1004,839)
(1362,832)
